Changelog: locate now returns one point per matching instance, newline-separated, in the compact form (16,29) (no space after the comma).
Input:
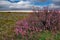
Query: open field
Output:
(8,24)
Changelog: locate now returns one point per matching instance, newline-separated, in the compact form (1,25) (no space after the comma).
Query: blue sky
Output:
(28,4)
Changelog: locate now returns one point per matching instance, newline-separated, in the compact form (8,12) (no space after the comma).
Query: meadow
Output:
(9,21)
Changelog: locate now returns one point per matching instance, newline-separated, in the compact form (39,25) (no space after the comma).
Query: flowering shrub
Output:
(37,22)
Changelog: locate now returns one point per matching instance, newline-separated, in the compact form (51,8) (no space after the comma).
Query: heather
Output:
(30,26)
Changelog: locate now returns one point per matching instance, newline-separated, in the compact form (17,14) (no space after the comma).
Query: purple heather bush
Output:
(37,22)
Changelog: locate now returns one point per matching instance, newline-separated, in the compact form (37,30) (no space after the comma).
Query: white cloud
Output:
(21,4)
(4,3)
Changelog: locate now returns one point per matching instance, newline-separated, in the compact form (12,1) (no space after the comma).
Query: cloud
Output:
(4,3)
(56,0)
(26,4)
(54,6)
(21,4)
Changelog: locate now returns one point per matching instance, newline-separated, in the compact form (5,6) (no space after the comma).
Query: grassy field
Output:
(7,25)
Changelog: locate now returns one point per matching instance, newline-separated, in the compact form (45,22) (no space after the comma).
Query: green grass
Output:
(45,35)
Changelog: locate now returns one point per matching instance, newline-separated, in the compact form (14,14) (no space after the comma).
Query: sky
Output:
(28,4)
